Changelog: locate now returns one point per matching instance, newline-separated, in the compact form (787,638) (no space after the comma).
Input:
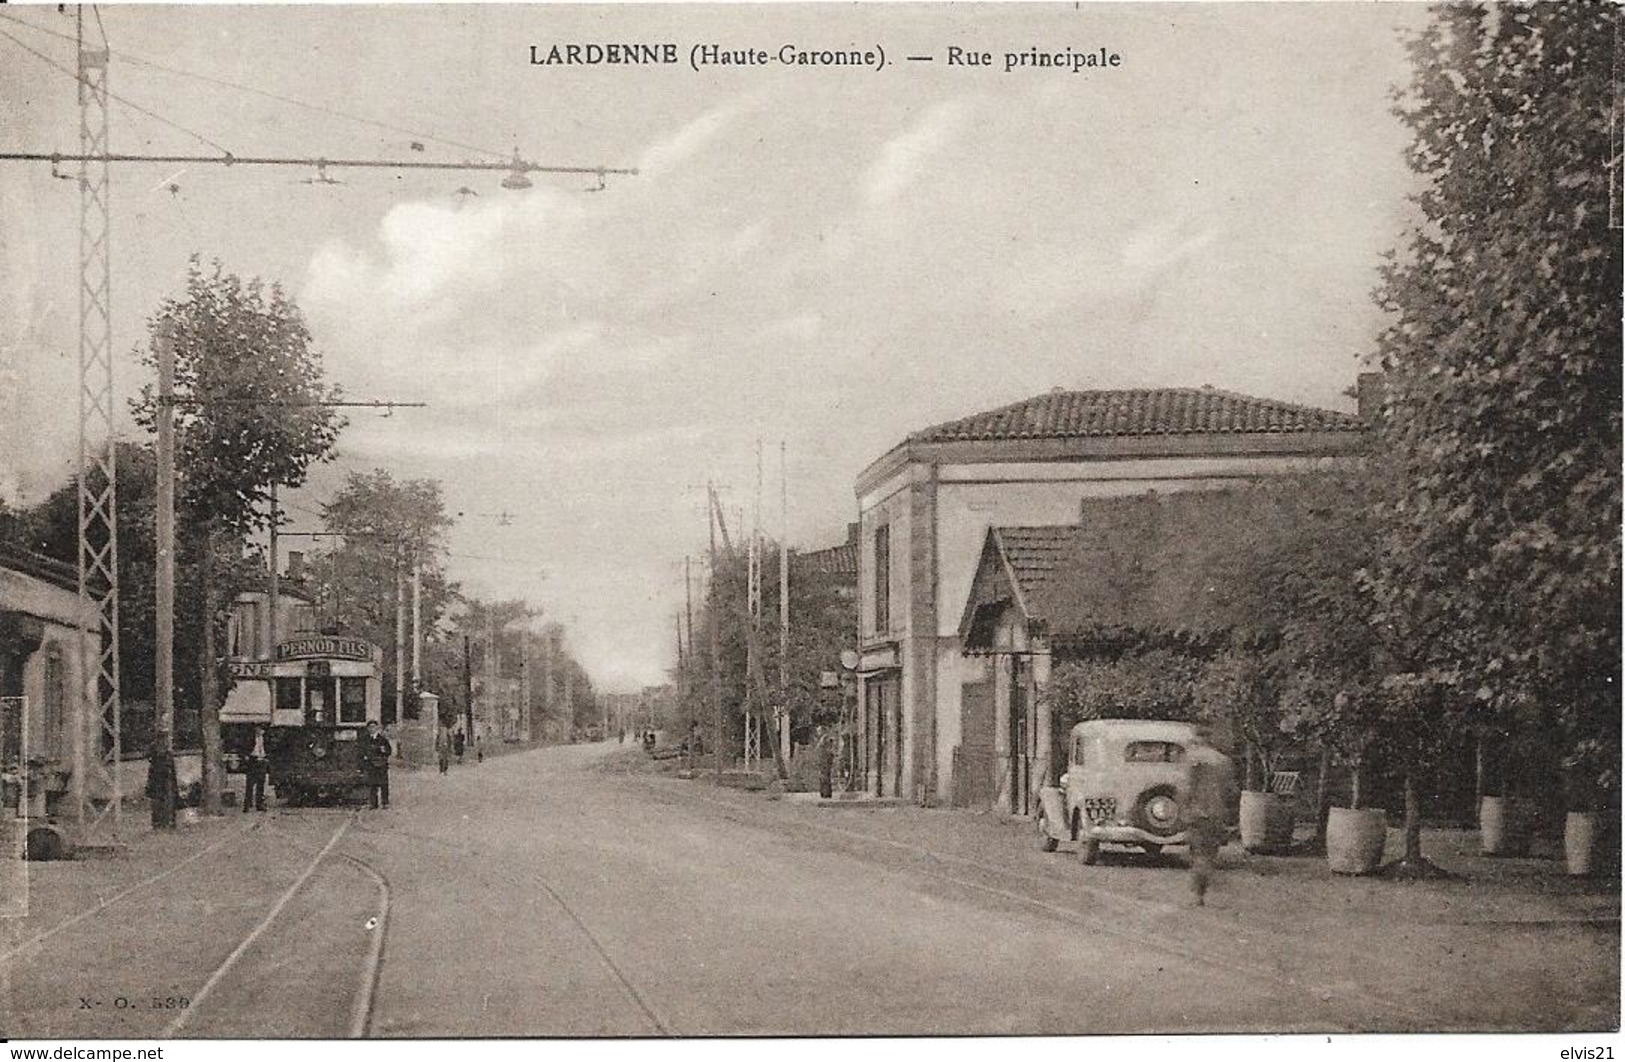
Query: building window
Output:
(56,690)
(883,579)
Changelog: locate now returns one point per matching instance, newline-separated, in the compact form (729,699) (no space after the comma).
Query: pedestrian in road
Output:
(1210,782)
(375,753)
(458,741)
(254,771)
(163,786)
(826,763)
(442,747)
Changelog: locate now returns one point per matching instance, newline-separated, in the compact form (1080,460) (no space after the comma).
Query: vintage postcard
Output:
(660,521)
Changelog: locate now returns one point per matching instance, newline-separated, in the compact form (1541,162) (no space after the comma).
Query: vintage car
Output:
(1126,782)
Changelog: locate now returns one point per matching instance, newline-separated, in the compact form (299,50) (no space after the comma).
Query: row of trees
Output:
(252,412)
(823,622)
(1463,584)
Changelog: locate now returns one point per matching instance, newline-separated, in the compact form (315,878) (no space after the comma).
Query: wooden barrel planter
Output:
(1355,839)
(1266,821)
(1580,841)
(1503,827)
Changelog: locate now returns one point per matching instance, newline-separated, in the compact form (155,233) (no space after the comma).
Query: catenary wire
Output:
(224,83)
(47,60)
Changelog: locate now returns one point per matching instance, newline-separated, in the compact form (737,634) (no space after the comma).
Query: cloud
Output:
(670,152)
(905,155)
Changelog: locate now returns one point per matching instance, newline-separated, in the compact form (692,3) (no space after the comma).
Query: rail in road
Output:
(660,1025)
(366,977)
(1008,885)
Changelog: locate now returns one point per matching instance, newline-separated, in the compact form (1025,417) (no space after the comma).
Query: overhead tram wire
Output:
(316,107)
(47,60)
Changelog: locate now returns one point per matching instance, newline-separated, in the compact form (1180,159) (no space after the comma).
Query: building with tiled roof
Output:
(927,504)
(1164,411)
(833,562)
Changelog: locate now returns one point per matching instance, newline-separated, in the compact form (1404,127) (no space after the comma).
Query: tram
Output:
(315,695)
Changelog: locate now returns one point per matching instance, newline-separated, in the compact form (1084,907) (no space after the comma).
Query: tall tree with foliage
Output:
(389,525)
(1498,583)
(248,414)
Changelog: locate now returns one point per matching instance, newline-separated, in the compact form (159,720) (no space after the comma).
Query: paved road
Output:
(540,895)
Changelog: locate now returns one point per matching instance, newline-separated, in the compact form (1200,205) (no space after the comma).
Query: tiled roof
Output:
(39,566)
(839,560)
(1034,553)
(1164,411)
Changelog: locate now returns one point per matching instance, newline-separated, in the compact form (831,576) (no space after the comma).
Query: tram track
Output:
(1228,964)
(661,1025)
(363,999)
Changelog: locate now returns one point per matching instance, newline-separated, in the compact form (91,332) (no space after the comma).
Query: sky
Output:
(829,258)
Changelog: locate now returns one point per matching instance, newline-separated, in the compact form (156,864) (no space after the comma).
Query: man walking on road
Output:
(375,753)
(254,769)
(1209,793)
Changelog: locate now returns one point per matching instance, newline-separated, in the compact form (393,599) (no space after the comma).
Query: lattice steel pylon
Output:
(96,769)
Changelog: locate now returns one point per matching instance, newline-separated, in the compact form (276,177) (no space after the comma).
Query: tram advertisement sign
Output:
(324,647)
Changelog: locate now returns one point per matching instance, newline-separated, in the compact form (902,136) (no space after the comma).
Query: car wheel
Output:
(1158,811)
(1046,843)
(1088,851)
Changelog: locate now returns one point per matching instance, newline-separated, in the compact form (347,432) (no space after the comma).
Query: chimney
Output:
(1369,396)
(852,533)
(296,566)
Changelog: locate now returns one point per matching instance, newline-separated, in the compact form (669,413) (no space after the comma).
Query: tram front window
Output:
(319,701)
(287,695)
(352,700)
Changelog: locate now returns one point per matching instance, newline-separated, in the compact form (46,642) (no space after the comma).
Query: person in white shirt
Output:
(254,770)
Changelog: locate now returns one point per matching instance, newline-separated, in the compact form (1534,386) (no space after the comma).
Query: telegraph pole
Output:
(400,635)
(417,623)
(712,620)
(97,582)
(784,606)
(275,576)
(164,593)
(468,691)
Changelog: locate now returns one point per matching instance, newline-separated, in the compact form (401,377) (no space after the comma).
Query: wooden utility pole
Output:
(468,691)
(524,686)
(164,593)
(400,635)
(784,606)
(417,625)
(274,587)
(712,620)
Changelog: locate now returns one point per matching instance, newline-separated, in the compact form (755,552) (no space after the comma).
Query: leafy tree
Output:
(1155,683)
(1497,585)
(51,528)
(389,525)
(248,414)
(822,623)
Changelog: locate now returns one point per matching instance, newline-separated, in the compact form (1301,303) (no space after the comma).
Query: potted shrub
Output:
(1504,820)
(1355,835)
(1586,775)
(1503,826)
(1240,689)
